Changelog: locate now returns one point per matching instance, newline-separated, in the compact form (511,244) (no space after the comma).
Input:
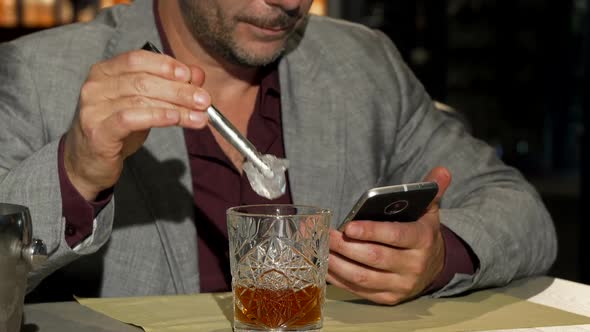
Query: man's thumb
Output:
(442,177)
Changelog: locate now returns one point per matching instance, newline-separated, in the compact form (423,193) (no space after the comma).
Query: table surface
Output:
(552,292)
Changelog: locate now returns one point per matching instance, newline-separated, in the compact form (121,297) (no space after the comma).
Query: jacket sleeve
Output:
(489,205)
(29,165)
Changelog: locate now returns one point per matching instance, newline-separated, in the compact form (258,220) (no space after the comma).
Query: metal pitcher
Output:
(19,254)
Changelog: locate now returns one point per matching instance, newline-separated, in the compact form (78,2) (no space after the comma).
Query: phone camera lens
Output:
(396,207)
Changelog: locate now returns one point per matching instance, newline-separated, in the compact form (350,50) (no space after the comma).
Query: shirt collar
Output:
(269,82)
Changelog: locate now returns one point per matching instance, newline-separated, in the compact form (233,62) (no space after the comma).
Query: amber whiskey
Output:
(286,308)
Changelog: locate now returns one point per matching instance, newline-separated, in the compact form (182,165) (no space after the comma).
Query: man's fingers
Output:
(405,235)
(442,177)
(189,118)
(197,76)
(142,61)
(359,275)
(377,286)
(122,123)
(372,254)
(149,86)
(137,89)
(381,297)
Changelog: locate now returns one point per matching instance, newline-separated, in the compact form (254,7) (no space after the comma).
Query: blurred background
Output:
(518,71)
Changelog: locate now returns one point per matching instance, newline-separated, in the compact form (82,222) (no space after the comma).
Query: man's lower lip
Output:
(270,31)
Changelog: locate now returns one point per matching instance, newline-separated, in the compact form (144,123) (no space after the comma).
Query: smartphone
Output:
(404,203)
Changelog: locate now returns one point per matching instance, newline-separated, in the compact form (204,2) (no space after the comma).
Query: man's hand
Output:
(390,262)
(121,100)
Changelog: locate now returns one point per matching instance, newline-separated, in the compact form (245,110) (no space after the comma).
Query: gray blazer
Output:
(353,115)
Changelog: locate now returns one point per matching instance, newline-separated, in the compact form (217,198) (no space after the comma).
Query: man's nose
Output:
(286,5)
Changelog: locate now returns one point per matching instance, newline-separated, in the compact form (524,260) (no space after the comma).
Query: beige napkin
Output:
(484,310)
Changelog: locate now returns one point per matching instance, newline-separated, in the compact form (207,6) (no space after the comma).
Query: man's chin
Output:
(256,58)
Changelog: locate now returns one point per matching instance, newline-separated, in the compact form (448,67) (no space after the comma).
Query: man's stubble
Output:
(214,31)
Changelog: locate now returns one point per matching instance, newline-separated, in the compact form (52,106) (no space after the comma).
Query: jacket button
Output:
(70,230)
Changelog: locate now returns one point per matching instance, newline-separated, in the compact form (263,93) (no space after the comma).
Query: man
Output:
(86,111)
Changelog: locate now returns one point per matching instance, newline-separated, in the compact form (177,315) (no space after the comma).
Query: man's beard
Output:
(213,31)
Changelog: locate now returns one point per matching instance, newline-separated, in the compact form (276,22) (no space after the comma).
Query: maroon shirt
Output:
(78,212)
(217,185)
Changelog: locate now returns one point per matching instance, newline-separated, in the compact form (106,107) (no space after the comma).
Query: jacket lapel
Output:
(161,166)
(312,129)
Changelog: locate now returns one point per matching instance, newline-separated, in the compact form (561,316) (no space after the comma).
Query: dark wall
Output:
(419,30)
(585,187)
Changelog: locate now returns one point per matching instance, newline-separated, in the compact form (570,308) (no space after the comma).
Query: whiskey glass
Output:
(279,261)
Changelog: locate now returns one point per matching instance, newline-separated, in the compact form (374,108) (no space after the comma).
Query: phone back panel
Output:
(402,203)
